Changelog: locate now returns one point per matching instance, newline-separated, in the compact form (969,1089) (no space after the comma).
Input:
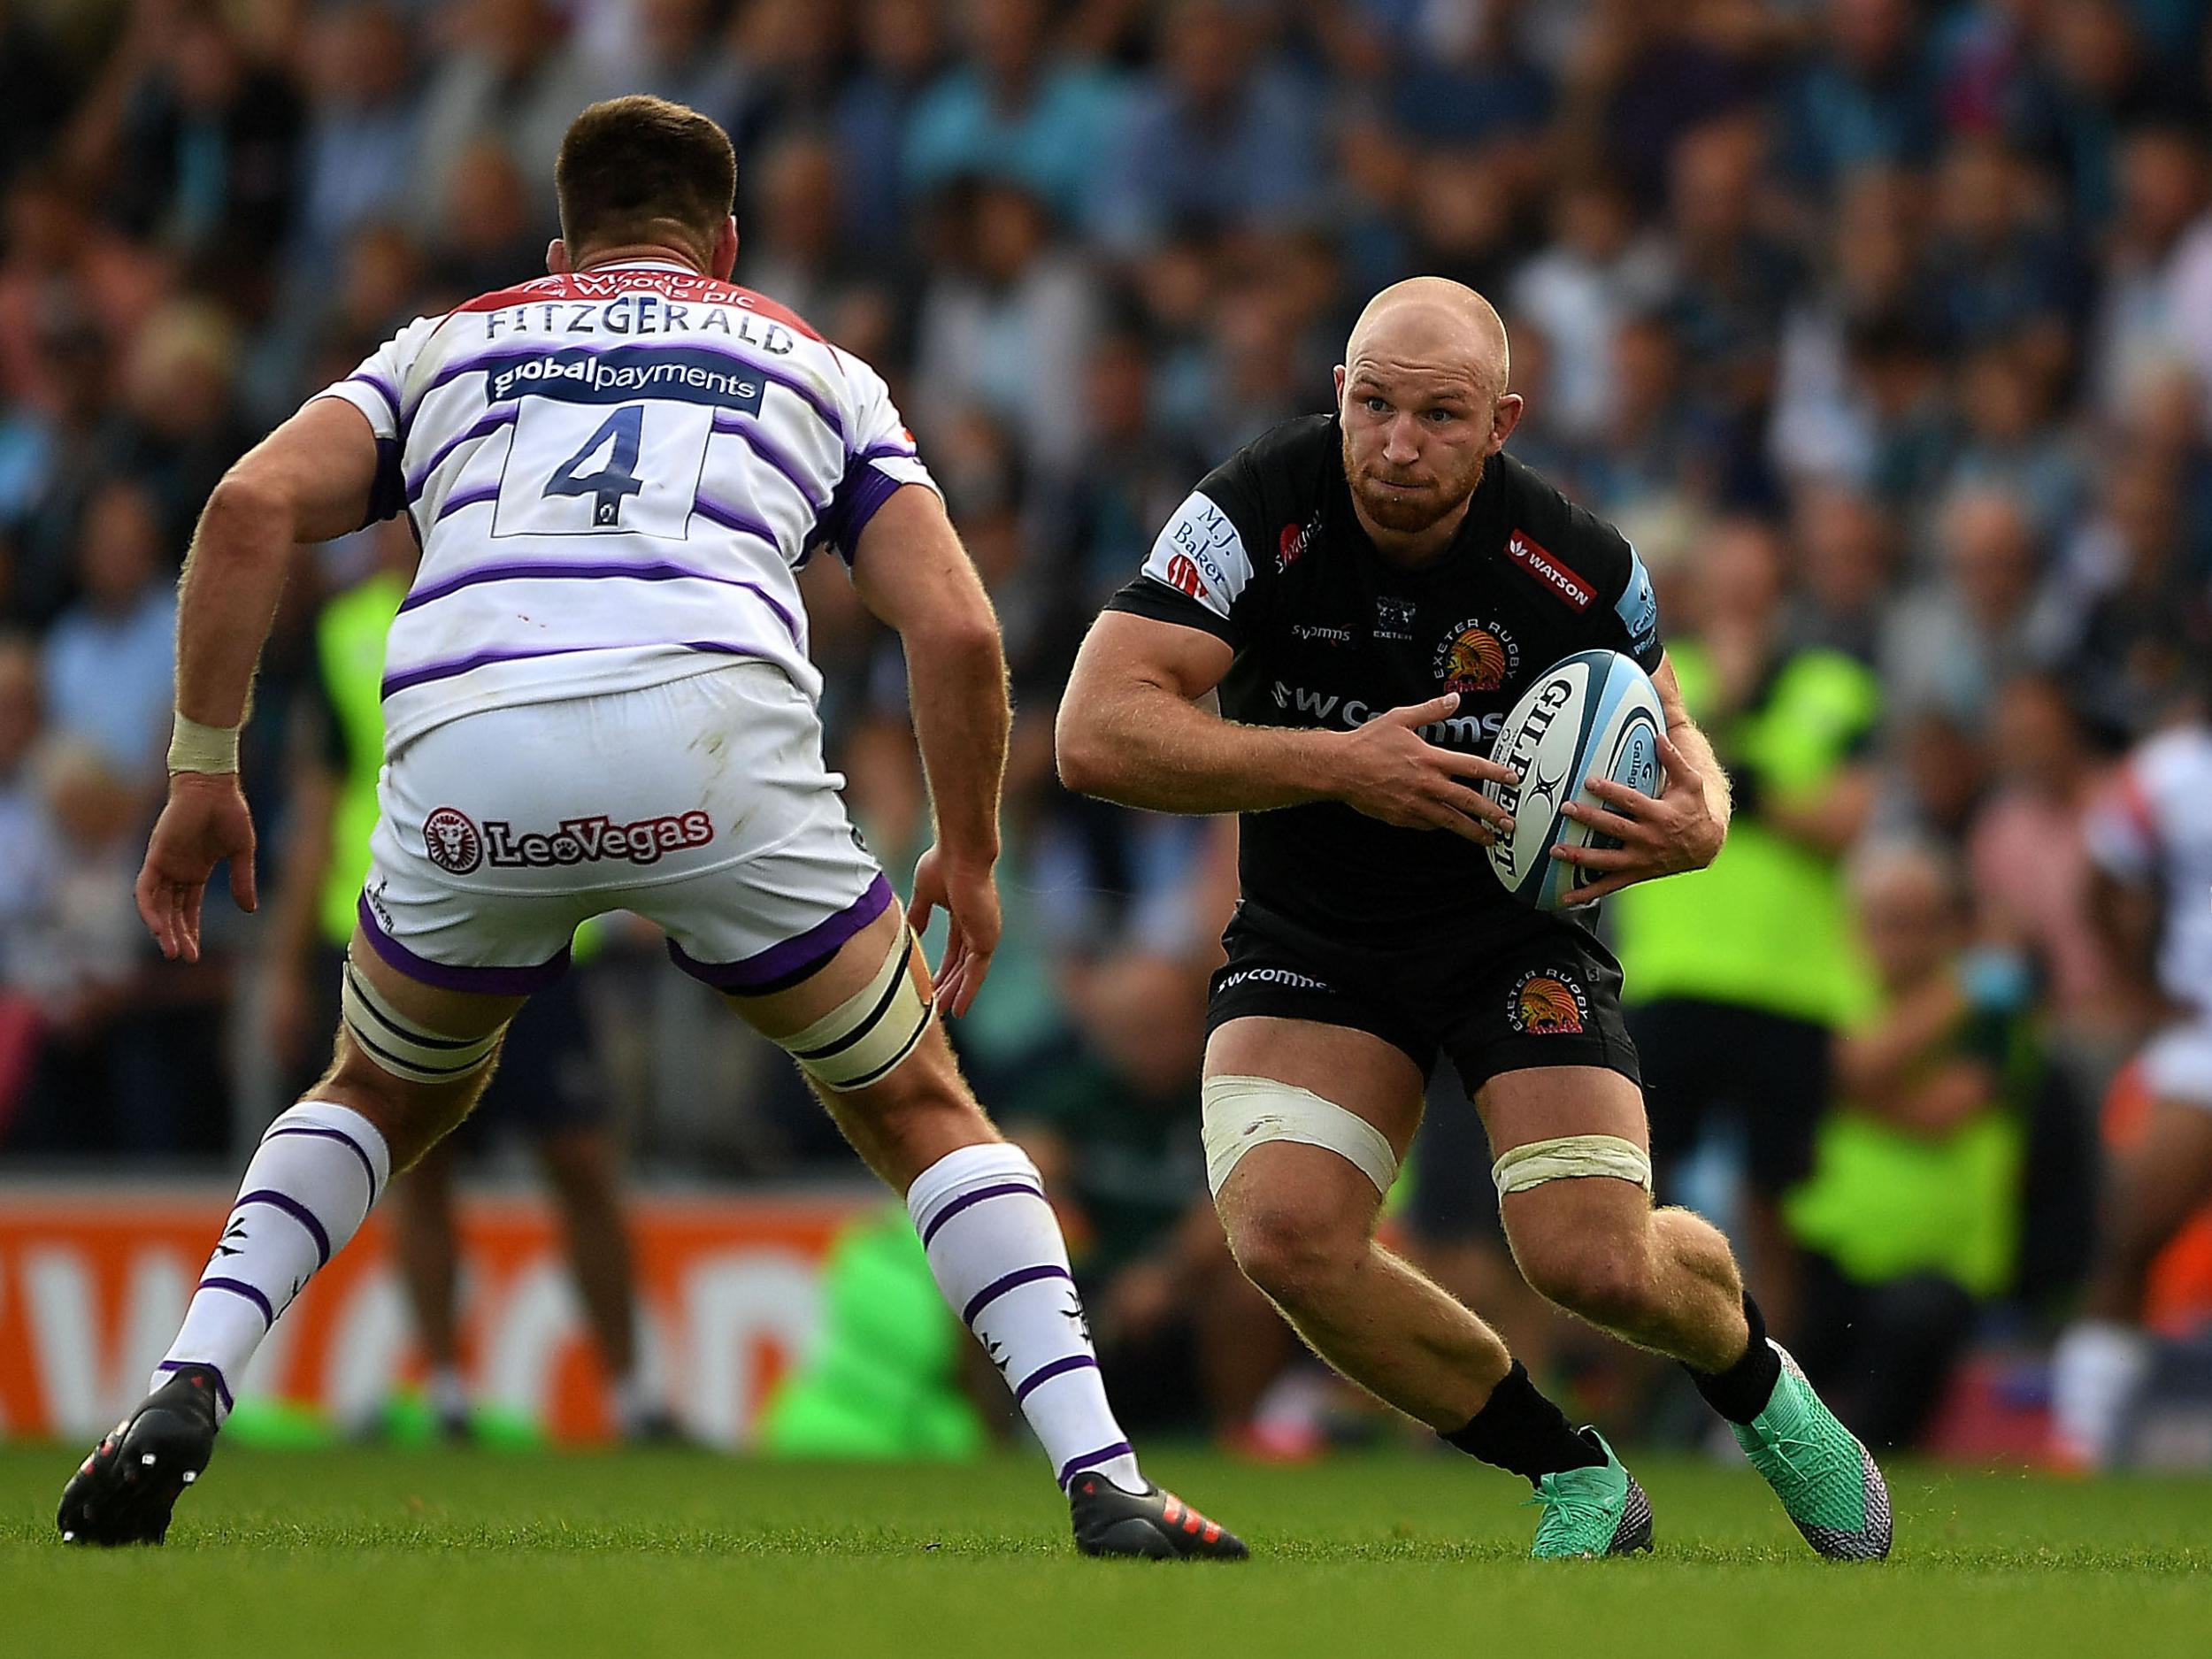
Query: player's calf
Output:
(402,1078)
(862,1026)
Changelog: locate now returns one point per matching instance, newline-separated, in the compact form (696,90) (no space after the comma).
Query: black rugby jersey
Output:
(1267,554)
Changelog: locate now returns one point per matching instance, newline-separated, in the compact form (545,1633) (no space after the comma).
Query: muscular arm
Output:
(308,481)
(912,573)
(1131,730)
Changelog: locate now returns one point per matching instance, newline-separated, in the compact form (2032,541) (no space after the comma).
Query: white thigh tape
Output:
(1243,1112)
(859,1042)
(399,1046)
(1571,1157)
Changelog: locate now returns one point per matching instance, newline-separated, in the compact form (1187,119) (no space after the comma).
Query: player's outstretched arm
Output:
(911,571)
(1131,730)
(309,480)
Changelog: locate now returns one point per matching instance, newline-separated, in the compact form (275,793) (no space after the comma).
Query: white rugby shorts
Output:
(2177,1063)
(700,803)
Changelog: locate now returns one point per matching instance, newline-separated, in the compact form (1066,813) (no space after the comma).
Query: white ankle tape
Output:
(1571,1157)
(1244,1112)
(861,1039)
(399,1046)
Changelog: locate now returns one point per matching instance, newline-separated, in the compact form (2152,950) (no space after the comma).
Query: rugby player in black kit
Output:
(1368,593)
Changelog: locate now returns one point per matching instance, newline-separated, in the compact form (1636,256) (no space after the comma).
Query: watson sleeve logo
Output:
(1563,584)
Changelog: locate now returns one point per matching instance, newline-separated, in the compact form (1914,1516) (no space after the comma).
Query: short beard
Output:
(1410,515)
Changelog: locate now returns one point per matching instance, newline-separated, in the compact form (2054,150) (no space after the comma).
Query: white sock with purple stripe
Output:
(995,1246)
(311,1182)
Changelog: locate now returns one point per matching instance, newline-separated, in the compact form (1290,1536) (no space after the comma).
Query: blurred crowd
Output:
(1884,330)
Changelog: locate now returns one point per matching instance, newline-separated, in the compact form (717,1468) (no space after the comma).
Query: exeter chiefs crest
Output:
(1544,1001)
(1477,656)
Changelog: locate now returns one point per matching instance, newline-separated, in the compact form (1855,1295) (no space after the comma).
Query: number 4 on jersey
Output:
(612,482)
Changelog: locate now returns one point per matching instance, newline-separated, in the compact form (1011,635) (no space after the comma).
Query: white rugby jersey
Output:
(614,476)
(2152,828)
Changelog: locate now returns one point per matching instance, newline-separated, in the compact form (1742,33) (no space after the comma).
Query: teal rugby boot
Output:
(1597,1511)
(1826,1479)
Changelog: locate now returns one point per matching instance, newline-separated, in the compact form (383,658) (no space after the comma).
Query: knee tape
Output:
(1243,1112)
(400,1045)
(1571,1157)
(860,1042)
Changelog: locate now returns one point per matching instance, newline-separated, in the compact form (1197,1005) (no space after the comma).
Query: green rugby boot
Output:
(1826,1479)
(1600,1511)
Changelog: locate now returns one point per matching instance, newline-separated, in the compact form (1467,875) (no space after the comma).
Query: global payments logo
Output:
(684,374)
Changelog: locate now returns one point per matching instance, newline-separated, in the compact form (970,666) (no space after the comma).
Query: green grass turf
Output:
(641,1554)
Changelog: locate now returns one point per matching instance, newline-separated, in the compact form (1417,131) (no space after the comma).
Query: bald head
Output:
(1422,401)
(1437,323)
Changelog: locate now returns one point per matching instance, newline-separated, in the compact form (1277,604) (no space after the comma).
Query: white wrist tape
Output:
(196,748)
(1245,1112)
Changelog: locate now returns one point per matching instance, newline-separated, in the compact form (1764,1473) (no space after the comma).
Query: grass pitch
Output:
(479,1554)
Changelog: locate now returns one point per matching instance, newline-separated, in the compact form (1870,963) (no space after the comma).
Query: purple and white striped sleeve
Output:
(882,458)
(375,389)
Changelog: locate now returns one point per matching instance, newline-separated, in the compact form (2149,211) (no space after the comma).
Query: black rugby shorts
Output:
(1531,991)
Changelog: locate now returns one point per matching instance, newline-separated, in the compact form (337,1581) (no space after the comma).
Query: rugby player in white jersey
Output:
(597,696)
(2152,845)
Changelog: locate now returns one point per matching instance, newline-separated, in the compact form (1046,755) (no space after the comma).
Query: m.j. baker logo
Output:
(452,842)
(1533,556)
(1545,1002)
(1477,656)
(456,845)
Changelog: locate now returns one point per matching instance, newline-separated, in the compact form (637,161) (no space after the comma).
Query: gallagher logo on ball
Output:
(1477,656)
(1547,1002)
(452,842)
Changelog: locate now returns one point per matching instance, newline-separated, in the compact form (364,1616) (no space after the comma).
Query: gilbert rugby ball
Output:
(1592,715)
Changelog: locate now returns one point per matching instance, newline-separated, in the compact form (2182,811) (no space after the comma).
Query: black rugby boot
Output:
(123,1493)
(1152,1524)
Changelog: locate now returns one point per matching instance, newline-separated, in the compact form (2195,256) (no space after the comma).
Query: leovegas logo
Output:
(1533,556)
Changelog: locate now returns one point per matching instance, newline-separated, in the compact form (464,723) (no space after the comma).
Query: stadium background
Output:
(1881,328)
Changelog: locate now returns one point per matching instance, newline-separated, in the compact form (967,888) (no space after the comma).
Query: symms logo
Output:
(93,1280)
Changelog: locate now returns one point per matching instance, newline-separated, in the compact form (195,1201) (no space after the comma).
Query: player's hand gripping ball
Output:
(1592,715)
